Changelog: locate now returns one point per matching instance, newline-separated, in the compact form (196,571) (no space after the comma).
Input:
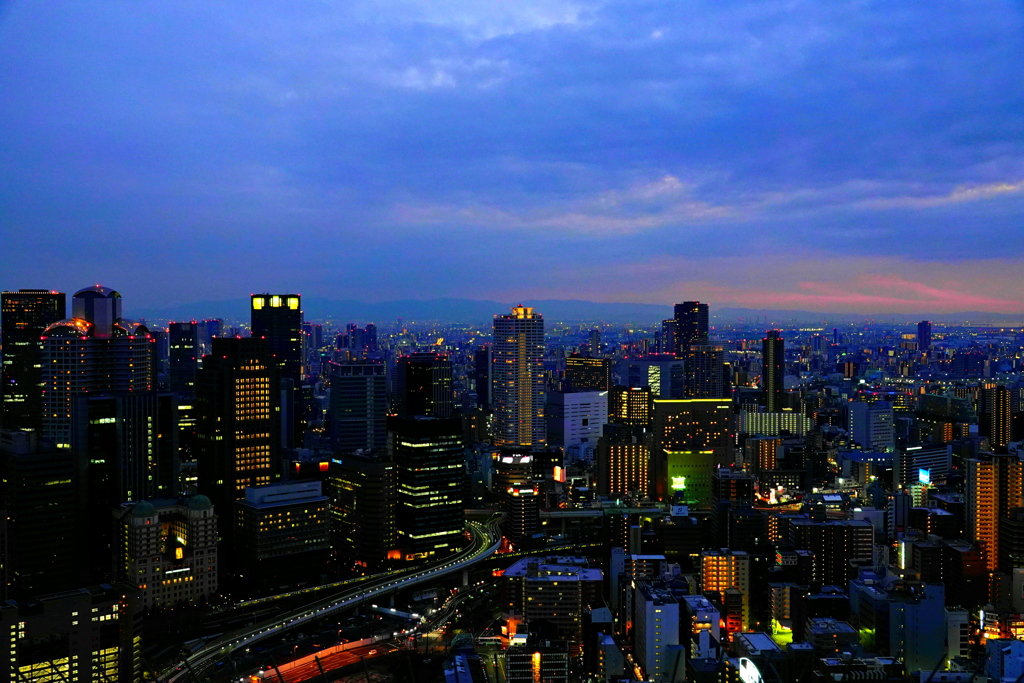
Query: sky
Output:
(839,156)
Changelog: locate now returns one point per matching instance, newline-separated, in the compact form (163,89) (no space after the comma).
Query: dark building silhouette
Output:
(423,385)
(24,315)
(773,369)
(278,319)
(430,478)
(183,357)
(691,328)
(358,408)
(924,335)
(482,376)
(42,530)
(363,500)
(705,371)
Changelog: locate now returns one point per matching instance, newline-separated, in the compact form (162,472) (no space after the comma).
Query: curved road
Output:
(486,539)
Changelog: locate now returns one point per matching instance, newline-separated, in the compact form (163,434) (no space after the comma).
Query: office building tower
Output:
(928,463)
(208,329)
(726,572)
(993,490)
(655,629)
(622,468)
(482,376)
(358,407)
(126,449)
(576,418)
(839,547)
(587,374)
(24,315)
(664,374)
(37,492)
(692,327)
(773,369)
(705,372)
(871,425)
(237,427)
(423,385)
(183,357)
(594,342)
(903,619)
(924,335)
(281,536)
(545,661)
(363,511)
(277,318)
(93,352)
(168,569)
(430,474)
(631,406)
(691,438)
(518,495)
(995,415)
(552,589)
(517,378)
(668,337)
(78,636)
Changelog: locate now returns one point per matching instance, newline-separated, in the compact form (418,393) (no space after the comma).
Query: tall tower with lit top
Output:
(517,381)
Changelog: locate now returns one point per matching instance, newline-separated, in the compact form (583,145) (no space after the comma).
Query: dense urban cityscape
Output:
(282,499)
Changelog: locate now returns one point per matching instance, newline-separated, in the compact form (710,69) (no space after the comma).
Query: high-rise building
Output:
(358,407)
(871,425)
(278,319)
(24,315)
(631,406)
(839,547)
(773,369)
(93,352)
(995,409)
(655,629)
(126,449)
(237,437)
(705,371)
(167,568)
(77,636)
(281,535)
(664,374)
(430,474)
(517,378)
(363,502)
(423,385)
(587,374)
(42,553)
(691,438)
(622,468)
(995,484)
(208,329)
(725,570)
(575,418)
(924,335)
(183,356)
(668,337)
(691,327)
(482,376)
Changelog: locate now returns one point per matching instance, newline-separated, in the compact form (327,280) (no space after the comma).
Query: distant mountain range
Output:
(475,311)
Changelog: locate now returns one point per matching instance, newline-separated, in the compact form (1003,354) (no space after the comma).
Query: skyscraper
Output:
(587,374)
(358,407)
(278,319)
(691,328)
(424,385)
(237,437)
(704,371)
(691,438)
(92,352)
(924,335)
(23,317)
(428,459)
(994,489)
(183,340)
(773,369)
(517,379)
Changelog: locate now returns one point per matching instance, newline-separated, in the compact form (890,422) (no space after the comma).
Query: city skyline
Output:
(839,158)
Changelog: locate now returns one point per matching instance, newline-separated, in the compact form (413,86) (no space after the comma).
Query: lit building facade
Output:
(993,490)
(168,550)
(517,379)
(773,369)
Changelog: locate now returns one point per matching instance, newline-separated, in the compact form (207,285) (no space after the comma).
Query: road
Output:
(329,663)
(485,541)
